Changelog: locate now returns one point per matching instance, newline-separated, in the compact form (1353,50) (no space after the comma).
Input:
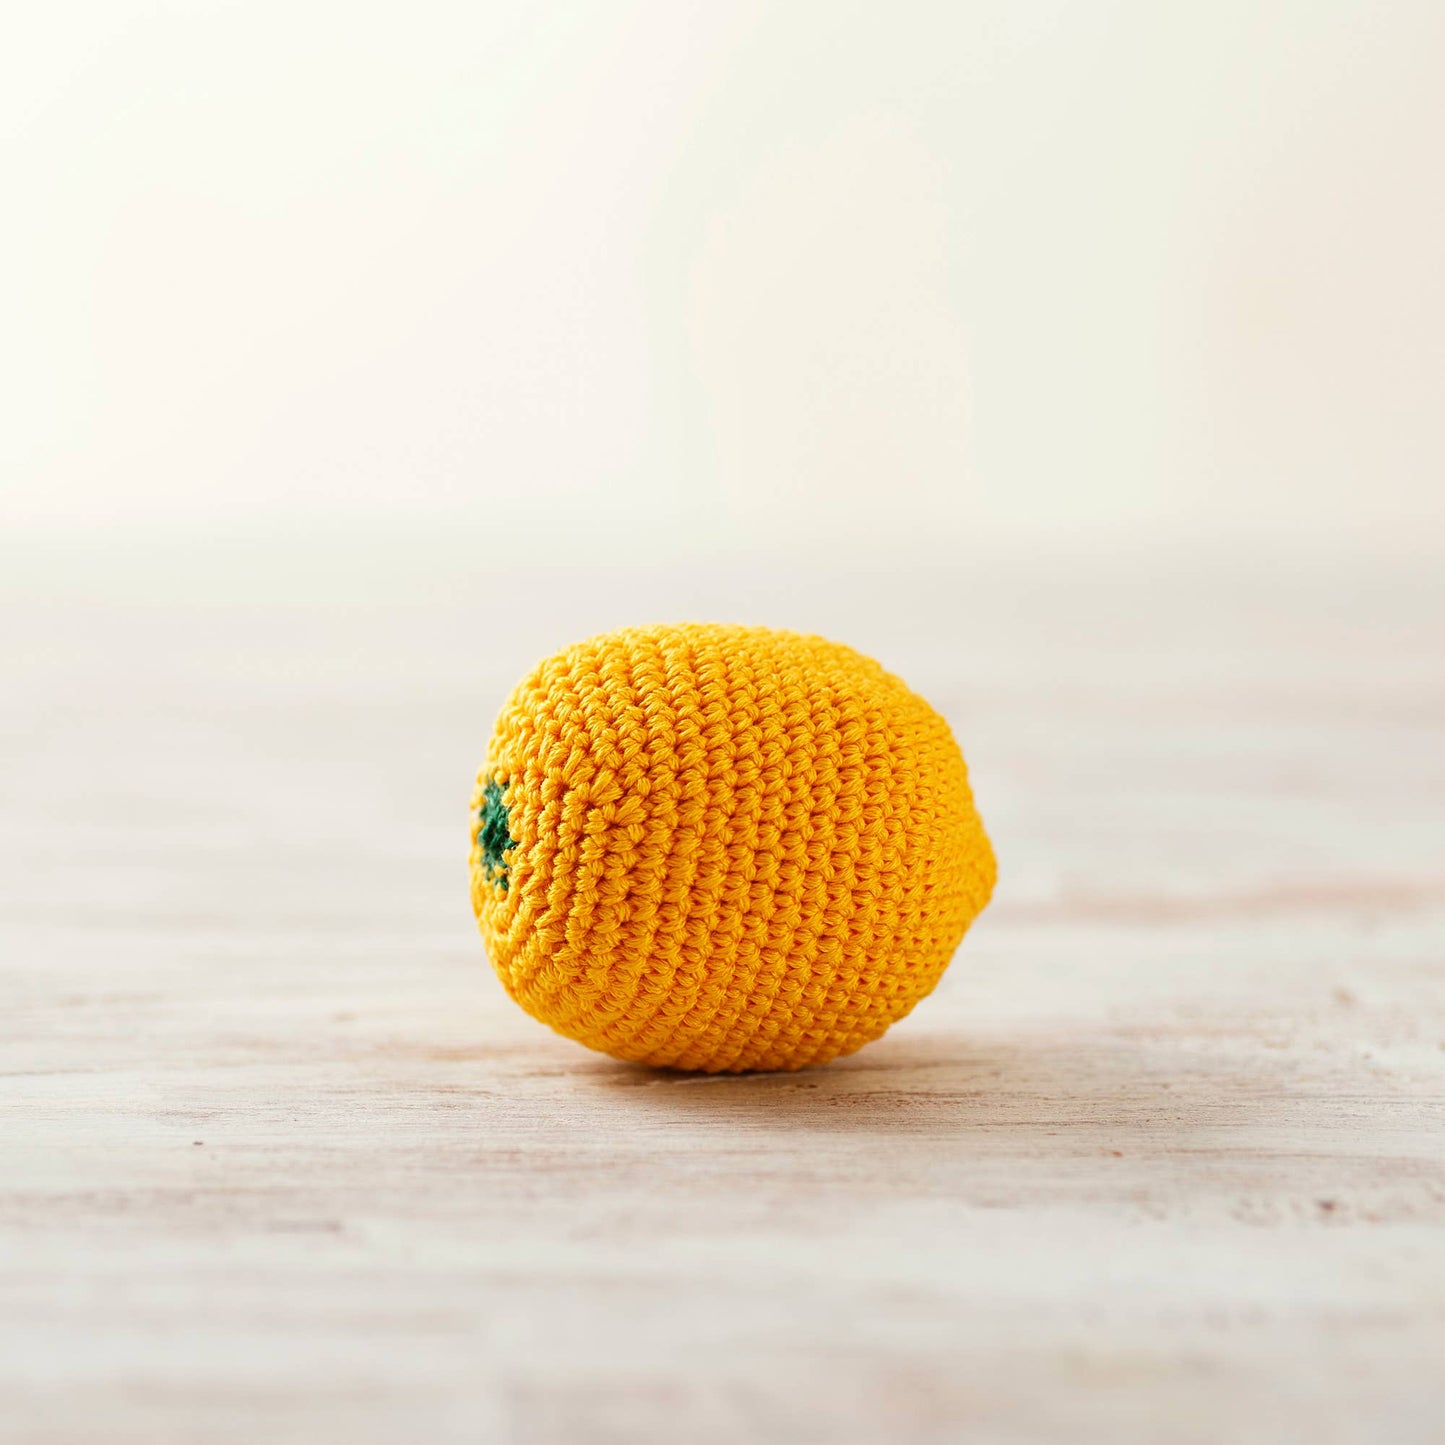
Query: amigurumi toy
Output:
(722,848)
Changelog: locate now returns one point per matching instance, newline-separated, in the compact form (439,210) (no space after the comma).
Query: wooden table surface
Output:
(1162,1159)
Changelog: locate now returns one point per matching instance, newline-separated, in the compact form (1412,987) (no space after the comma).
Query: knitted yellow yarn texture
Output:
(722,848)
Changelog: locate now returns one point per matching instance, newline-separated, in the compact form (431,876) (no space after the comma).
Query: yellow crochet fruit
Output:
(722,848)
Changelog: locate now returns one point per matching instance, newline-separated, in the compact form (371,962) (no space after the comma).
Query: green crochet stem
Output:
(494,836)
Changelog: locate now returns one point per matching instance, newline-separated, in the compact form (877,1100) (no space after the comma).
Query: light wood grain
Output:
(1163,1159)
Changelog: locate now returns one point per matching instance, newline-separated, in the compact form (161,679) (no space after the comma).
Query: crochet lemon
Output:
(722,848)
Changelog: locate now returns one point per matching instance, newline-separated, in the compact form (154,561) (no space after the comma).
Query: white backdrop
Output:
(619,280)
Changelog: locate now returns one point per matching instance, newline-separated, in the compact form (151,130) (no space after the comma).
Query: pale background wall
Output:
(693,278)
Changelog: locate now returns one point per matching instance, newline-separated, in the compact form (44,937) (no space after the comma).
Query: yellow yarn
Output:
(722,848)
